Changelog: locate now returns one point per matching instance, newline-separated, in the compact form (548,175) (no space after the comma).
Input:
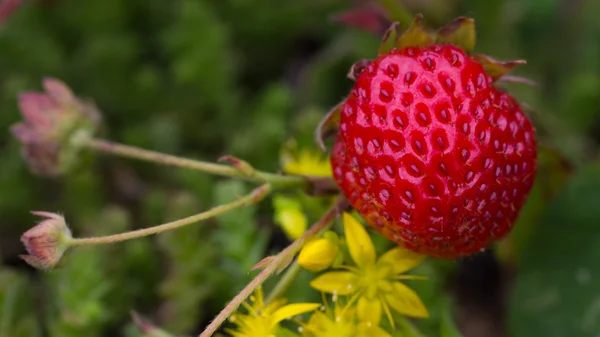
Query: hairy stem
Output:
(276,180)
(285,282)
(252,198)
(275,264)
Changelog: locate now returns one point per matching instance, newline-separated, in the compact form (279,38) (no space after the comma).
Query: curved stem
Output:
(275,264)
(276,180)
(252,198)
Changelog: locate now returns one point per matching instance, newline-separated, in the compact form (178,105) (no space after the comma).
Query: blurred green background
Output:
(202,78)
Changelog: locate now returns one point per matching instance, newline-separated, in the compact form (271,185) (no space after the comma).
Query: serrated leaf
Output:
(415,35)
(555,292)
(460,32)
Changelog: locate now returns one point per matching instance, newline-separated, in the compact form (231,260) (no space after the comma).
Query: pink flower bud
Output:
(47,241)
(51,120)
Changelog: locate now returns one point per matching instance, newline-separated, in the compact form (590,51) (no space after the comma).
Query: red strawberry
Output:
(428,151)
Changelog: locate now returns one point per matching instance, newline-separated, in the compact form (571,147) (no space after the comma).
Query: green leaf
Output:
(556,293)
(448,326)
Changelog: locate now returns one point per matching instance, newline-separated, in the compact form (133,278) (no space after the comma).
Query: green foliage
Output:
(202,78)
(555,292)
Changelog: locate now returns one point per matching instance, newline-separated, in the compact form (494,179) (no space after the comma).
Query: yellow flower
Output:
(340,321)
(319,254)
(374,284)
(263,320)
(290,216)
(305,162)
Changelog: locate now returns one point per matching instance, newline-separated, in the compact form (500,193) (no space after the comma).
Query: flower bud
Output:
(318,254)
(51,123)
(290,216)
(47,241)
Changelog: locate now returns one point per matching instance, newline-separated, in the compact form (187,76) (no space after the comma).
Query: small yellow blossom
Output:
(374,284)
(305,162)
(290,216)
(319,254)
(262,320)
(340,321)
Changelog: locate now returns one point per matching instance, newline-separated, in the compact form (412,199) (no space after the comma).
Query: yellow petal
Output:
(366,330)
(400,259)
(318,254)
(406,301)
(292,310)
(307,162)
(338,282)
(289,215)
(368,311)
(359,243)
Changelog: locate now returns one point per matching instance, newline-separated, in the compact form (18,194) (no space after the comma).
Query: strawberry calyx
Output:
(460,32)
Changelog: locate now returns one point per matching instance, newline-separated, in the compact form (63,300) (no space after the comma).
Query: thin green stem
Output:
(252,198)
(275,264)
(285,282)
(276,180)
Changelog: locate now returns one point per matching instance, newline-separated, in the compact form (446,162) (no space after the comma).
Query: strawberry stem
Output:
(275,180)
(254,197)
(273,266)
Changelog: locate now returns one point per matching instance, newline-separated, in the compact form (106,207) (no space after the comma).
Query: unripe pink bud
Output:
(51,120)
(47,241)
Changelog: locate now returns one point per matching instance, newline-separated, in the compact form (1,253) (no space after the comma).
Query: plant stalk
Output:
(254,197)
(275,180)
(275,264)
